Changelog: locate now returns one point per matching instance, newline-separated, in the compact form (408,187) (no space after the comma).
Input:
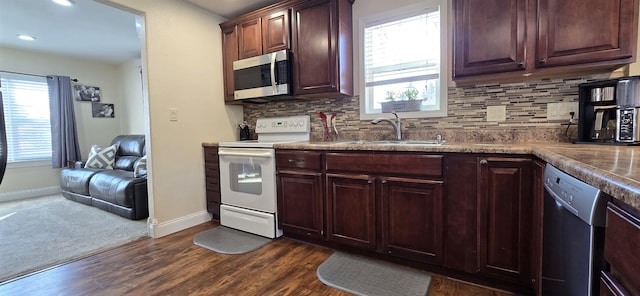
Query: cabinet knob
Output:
(483,162)
(520,65)
(384,181)
(542,61)
(369,182)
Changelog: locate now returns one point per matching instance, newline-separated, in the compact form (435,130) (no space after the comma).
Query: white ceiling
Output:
(89,29)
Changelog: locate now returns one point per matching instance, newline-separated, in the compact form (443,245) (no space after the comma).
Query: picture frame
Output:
(86,93)
(102,110)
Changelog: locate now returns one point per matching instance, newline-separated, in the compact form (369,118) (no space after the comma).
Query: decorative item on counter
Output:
(333,129)
(244,132)
(330,133)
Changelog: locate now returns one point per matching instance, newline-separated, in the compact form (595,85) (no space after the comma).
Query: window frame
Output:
(396,14)
(17,162)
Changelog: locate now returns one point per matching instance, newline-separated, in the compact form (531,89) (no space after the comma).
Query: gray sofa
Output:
(114,190)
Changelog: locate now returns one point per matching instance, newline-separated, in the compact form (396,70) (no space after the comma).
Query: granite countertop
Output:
(613,169)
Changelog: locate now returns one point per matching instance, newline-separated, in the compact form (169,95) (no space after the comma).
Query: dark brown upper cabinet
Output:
(319,34)
(490,36)
(276,31)
(503,38)
(247,36)
(229,54)
(322,48)
(250,38)
(585,31)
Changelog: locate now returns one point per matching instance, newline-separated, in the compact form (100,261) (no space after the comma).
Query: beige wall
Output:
(634,69)
(183,66)
(91,130)
(131,109)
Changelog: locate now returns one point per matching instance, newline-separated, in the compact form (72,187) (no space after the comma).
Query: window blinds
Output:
(26,112)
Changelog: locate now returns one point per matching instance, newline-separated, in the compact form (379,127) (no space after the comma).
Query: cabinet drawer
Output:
(211,154)
(212,170)
(387,163)
(212,183)
(310,160)
(622,242)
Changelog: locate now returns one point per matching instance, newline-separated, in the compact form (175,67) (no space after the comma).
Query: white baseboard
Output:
(157,230)
(9,196)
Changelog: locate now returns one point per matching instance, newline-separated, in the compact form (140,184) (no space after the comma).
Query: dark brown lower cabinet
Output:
(621,246)
(351,210)
(412,218)
(477,215)
(300,195)
(212,180)
(390,203)
(505,217)
(300,202)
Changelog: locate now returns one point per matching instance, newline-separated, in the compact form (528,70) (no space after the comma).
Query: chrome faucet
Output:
(397,126)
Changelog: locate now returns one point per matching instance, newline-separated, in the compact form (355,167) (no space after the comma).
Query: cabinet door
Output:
(461,183)
(351,208)
(505,201)
(322,49)
(584,31)
(621,245)
(489,36)
(412,218)
(250,38)
(229,54)
(300,202)
(275,31)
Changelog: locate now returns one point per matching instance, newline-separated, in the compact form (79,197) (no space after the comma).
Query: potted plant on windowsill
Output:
(406,101)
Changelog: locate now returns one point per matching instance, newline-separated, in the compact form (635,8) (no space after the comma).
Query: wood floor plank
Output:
(173,265)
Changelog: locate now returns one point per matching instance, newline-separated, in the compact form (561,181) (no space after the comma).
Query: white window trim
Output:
(444,49)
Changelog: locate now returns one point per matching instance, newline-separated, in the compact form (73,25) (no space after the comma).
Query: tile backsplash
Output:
(525,102)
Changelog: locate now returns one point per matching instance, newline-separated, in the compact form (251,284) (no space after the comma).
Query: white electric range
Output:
(248,175)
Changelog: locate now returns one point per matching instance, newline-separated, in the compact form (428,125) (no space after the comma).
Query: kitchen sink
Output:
(396,142)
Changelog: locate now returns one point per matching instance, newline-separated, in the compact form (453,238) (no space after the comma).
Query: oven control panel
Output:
(291,124)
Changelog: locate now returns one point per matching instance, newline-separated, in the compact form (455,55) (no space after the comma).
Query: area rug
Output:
(39,233)
(364,276)
(225,240)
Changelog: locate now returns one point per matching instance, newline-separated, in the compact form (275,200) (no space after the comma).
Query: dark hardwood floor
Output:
(173,265)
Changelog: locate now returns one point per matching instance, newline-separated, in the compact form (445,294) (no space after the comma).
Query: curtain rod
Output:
(28,74)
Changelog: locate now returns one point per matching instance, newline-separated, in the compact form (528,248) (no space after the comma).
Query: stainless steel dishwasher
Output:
(573,235)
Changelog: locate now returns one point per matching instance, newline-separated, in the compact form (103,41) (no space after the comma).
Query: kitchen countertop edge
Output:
(560,155)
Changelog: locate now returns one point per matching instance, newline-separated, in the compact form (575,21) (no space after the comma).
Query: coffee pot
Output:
(244,132)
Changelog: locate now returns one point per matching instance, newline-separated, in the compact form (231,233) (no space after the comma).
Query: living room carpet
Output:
(364,276)
(225,240)
(42,232)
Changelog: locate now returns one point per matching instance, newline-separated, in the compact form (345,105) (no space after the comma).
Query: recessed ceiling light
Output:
(26,37)
(64,2)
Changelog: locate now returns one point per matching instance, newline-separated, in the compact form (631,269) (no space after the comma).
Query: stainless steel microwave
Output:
(262,77)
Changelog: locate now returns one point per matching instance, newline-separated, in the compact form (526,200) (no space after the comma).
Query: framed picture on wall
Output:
(102,110)
(86,93)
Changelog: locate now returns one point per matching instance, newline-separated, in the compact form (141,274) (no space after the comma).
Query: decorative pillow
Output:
(102,158)
(140,170)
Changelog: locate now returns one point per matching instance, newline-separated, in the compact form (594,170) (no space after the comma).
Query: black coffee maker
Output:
(603,107)
(244,132)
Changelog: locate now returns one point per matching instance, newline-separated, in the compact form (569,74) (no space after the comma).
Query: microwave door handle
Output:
(273,73)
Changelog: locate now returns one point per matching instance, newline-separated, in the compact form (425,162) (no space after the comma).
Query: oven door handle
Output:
(245,153)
